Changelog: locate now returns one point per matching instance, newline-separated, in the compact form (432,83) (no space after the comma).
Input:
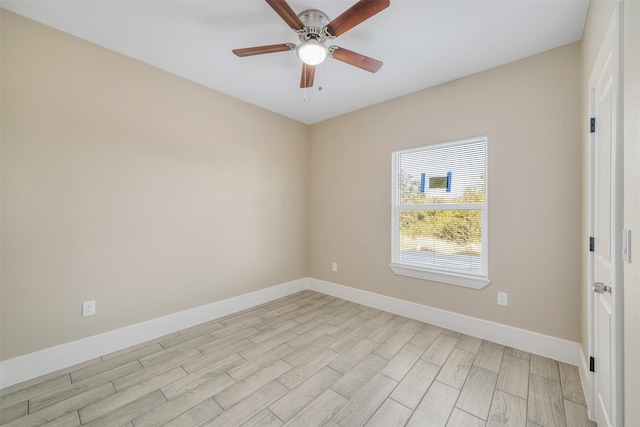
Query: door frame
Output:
(611,43)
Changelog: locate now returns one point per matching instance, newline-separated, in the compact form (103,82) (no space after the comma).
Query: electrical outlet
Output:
(334,266)
(88,308)
(502,298)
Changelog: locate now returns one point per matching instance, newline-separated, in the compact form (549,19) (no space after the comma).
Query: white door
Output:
(605,222)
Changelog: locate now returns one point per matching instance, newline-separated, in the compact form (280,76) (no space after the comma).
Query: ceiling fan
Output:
(314,28)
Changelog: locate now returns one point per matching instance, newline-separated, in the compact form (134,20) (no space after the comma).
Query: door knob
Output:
(601,288)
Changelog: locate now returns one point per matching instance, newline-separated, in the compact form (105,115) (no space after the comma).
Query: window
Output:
(440,212)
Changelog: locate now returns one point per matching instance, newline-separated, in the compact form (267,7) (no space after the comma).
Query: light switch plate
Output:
(626,245)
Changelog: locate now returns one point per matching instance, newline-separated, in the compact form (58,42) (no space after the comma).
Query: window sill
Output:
(474,282)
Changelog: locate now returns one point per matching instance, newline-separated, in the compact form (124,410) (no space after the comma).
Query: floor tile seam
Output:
(545,378)
(173,415)
(271,336)
(187,339)
(160,388)
(222,407)
(285,313)
(277,417)
(28,399)
(502,372)
(76,410)
(469,413)
(473,361)
(545,359)
(255,373)
(398,382)
(392,379)
(135,349)
(424,396)
(487,369)
(400,403)
(566,384)
(337,392)
(334,370)
(557,368)
(24,402)
(29,403)
(377,408)
(169,351)
(514,395)
(176,346)
(455,405)
(562,399)
(289,389)
(526,401)
(519,358)
(349,400)
(573,401)
(291,367)
(241,400)
(230,325)
(288,371)
(370,379)
(468,351)
(165,396)
(406,372)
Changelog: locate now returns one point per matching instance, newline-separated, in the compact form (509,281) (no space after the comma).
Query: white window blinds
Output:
(440,210)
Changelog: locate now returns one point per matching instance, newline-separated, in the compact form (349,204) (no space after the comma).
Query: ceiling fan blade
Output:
(308,73)
(259,50)
(359,12)
(355,59)
(283,9)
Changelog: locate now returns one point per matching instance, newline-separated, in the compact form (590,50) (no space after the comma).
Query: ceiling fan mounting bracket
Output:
(315,26)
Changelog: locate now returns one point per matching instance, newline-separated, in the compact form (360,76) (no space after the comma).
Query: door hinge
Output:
(592,126)
(592,364)
(592,244)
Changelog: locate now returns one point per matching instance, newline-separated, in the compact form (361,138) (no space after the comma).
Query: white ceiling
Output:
(421,42)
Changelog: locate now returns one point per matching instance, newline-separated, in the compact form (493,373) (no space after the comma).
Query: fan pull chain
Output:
(316,80)
(304,77)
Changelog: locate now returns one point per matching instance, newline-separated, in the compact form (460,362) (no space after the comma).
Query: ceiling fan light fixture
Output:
(312,52)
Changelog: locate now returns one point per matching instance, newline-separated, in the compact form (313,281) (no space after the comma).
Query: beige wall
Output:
(531,112)
(136,188)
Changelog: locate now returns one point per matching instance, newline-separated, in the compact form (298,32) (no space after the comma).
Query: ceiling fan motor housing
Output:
(315,23)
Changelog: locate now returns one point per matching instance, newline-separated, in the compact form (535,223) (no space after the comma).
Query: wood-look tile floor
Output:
(306,360)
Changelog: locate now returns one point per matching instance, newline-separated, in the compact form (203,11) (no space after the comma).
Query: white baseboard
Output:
(23,368)
(32,365)
(532,342)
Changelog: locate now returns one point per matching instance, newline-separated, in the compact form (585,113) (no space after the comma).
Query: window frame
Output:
(443,275)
